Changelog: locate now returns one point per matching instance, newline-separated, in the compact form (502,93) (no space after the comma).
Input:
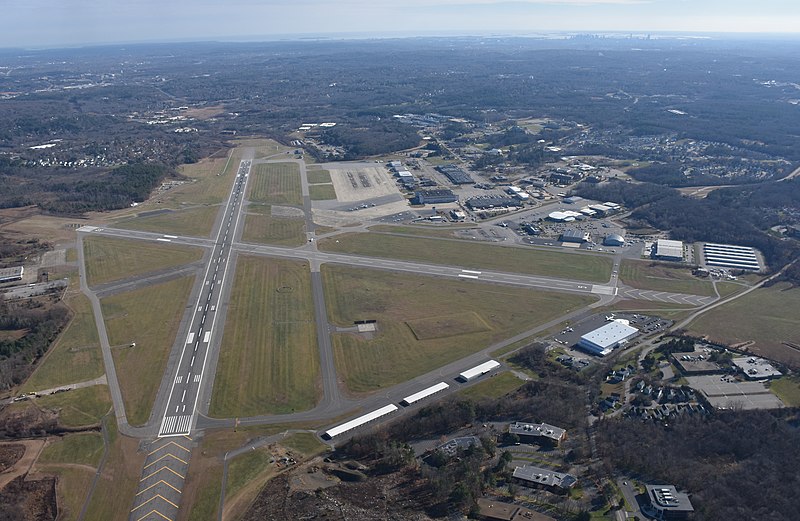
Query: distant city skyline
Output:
(54,23)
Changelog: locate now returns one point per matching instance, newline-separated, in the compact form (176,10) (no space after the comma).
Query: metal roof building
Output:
(573,235)
(544,477)
(614,239)
(541,430)
(605,339)
(730,256)
(408,400)
(669,250)
(358,422)
(11,274)
(479,370)
(668,503)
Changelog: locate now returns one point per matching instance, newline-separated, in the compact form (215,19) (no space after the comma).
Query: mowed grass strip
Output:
(276,183)
(321,192)
(212,179)
(110,259)
(318,176)
(472,255)
(79,407)
(76,355)
(495,387)
(445,326)
(84,448)
(658,276)
(197,221)
(149,316)
(767,316)
(394,354)
(116,487)
(281,231)
(421,231)
(269,361)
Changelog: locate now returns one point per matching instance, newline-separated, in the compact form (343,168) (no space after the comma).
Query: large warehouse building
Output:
(605,339)
(669,250)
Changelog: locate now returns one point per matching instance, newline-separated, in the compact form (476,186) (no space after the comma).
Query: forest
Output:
(39,321)
(736,465)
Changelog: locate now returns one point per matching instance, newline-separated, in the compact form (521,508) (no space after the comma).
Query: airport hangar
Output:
(605,339)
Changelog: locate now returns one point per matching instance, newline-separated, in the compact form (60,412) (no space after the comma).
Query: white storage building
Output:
(478,370)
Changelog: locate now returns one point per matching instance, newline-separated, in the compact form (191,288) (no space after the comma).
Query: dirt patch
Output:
(20,467)
(25,419)
(286,211)
(10,454)
(313,479)
(29,500)
(379,498)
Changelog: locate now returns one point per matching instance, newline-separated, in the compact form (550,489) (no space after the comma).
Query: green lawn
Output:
(318,176)
(473,255)
(85,448)
(276,183)
(282,231)
(787,389)
(421,230)
(109,259)
(663,277)
(269,361)
(150,317)
(244,468)
(305,443)
(321,192)
(494,387)
(76,355)
(395,354)
(197,221)
(113,497)
(79,407)
(768,316)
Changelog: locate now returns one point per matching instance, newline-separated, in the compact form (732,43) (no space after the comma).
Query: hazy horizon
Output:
(47,23)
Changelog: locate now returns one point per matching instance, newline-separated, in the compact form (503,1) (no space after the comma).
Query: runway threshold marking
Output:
(465,276)
(154,511)
(167,456)
(157,496)
(156,484)
(159,470)
(470,272)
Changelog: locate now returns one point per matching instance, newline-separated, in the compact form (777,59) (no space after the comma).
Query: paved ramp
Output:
(163,476)
(681,299)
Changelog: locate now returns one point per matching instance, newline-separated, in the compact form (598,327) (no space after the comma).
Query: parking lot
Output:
(724,392)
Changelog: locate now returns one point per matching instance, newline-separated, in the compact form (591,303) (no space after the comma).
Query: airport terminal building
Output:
(605,339)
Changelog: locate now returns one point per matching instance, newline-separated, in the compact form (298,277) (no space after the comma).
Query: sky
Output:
(54,23)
